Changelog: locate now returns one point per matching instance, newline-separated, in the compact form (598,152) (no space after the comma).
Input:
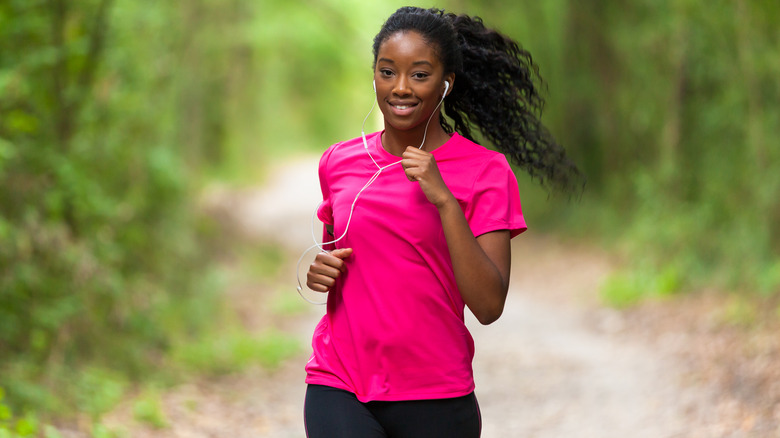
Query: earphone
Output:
(370,181)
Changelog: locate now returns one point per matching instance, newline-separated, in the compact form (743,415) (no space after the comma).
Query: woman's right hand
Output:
(326,268)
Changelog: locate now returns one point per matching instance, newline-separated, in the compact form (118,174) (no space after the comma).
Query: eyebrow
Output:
(414,63)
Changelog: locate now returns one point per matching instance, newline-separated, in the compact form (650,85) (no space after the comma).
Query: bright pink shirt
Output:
(394,326)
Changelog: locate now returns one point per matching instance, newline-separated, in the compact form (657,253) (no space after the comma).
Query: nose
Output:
(401,87)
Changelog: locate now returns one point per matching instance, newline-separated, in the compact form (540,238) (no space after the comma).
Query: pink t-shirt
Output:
(394,326)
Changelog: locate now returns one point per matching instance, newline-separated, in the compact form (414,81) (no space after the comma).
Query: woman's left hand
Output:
(420,166)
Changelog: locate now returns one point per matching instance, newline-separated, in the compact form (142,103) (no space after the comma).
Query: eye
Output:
(385,72)
(420,75)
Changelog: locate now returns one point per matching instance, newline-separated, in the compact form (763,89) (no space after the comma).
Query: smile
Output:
(403,107)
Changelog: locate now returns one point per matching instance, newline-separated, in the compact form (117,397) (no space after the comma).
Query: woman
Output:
(430,232)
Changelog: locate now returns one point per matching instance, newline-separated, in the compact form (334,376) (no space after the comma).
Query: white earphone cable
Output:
(352,207)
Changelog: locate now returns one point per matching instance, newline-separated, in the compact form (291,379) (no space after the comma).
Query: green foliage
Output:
(89,390)
(715,171)
(97,391)
(100,430)
(100,251)
(624,289)
(148,409)
(670,107)
(264,261)
(234,351)
(51,432)
(16,427)
(285,304)
(112,112)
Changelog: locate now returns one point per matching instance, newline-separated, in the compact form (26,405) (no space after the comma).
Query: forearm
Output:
(482,283)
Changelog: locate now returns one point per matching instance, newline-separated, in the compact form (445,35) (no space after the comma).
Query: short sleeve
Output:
(495,203)
(325,209)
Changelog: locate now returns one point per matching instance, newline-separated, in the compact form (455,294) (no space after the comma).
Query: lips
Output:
(403,108)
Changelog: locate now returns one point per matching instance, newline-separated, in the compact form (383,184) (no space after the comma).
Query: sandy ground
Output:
(555,365)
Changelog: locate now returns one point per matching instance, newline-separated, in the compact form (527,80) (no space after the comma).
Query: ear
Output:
(451,79)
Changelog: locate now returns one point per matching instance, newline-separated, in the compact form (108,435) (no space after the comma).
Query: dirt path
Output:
(555,365)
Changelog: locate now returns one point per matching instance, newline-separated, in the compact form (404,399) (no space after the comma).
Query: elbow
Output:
(490,315)
(487,304)
(488,319)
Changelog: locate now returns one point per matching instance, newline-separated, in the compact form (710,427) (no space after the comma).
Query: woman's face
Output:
(409,80)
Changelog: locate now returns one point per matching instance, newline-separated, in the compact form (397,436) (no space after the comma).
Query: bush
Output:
(100,252)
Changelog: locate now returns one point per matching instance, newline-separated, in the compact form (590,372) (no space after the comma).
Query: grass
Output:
(626,288)
(235,351)
(147,409)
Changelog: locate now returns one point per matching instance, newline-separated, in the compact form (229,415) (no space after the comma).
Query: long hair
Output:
(497,90)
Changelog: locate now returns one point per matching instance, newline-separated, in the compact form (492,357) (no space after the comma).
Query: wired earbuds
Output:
(370,181)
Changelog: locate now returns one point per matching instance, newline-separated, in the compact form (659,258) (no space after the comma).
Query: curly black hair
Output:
(497,90)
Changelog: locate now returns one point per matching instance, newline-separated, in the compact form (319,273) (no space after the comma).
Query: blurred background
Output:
(116,116)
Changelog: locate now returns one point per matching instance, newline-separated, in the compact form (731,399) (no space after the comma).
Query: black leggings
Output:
(335,413)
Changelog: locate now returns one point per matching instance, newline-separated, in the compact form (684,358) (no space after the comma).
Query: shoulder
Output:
(346,150)
(469,149)
(347,146)
(475,157)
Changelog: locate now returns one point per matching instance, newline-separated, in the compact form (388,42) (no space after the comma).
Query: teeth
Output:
(402,107)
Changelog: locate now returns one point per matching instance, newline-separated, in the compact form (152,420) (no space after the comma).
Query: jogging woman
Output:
(421,218)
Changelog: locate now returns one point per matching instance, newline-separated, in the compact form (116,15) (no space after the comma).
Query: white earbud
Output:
(374,85)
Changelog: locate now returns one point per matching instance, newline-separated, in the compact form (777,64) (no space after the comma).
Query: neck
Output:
(396,141)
